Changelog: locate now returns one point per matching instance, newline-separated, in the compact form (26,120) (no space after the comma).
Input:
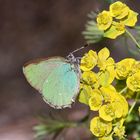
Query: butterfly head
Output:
(72,59)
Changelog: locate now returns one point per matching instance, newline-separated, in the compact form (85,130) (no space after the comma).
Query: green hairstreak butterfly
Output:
(56,78)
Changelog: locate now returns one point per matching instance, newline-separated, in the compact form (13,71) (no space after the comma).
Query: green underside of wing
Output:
(55,79)
(61,86)
(36,74)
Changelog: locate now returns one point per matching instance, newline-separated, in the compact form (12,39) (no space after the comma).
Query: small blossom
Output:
(133,82)
(104,61)
(124,67)
(95,100)
(124,104)
(119,132)
(85,94)
(111,111)
(98,93)
(99,127)
(109,93)
(88,61)
(117,29)
(104,20)
(131,19)
(89,77)
(119,10)
(114,21)
(136,68)
(103,54)
(105,78)
(106,65)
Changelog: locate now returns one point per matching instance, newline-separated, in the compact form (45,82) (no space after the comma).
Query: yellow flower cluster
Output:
(113,22)
(129,70)
(100,82)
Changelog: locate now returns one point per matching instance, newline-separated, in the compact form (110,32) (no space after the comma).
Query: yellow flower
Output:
(111,111)
(119,132)
(123,102)
(104,20)
(89,77)
(99,127)
(119,10)
(103,55)
(105,78)
(108,93)
(133,82)
(124,67)
(131,19)
(106,65)
(88,61)
(115,30)
(85,94)
(104,60)
(136,68)
(119,129)
(95,100)
(123,15)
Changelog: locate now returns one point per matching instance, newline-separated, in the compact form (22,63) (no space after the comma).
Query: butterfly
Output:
(56,78)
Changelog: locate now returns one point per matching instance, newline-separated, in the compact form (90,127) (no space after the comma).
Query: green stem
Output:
(134,103)
(124,89)
(132,37)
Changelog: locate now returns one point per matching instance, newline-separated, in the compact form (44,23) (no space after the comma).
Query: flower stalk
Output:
(133,38)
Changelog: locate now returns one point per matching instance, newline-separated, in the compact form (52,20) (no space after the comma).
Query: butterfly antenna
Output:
(86,45)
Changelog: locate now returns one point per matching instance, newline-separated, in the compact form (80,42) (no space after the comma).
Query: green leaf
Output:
(92,34)
(52,126)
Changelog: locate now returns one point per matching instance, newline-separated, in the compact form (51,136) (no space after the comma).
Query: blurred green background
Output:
(32,29)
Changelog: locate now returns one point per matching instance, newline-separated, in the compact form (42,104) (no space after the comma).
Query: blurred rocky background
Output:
(32,29)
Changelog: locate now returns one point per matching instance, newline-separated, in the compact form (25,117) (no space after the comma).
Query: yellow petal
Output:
(115,30)
(124,104)
(119,132)
(111,111)
(118,109)
(85,94)
(103,78)
(104,60)
(131,19)
(104,20)
(124,67)
(95,100)
(112,73)
(109,93)
(100,128)
(88,61)
(133,82)
(106,112)
(119,10)
(89,77)
(103,54)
